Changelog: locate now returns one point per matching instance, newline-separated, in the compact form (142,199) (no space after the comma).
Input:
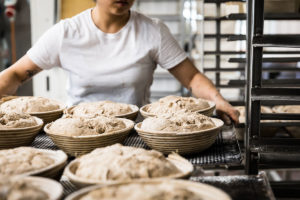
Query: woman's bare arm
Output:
(202,87)
(11,78)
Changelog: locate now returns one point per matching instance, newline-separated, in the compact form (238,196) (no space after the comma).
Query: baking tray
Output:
(245,187)
(225,151)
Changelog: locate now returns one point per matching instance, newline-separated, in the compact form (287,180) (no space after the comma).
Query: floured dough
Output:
(171,104)
(241,109)
(29,105)
(122,163)
(108,108)
(77,126)
(294,130)
(16,120)
(178,122)
(288,109)
(145,191)
(22,159)
(24,190)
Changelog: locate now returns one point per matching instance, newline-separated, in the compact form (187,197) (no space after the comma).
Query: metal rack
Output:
(218,69)
(262,153)
(290,40)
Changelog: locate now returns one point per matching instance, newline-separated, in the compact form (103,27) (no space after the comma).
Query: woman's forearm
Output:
(9,82)
(202,87)
(11,78)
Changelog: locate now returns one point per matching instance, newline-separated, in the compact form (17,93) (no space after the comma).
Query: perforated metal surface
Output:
(224,151)
(42,141)
(241,187)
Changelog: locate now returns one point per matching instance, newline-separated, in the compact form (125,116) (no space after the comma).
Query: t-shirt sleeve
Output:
(169,53)
(45,52)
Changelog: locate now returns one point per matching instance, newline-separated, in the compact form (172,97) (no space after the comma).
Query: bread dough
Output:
(294,130)
(77,126)
(181,121)
(29,105)
(146,191)
(108,108)
(171,104)
(121,163)
(24,190)
(22,159)
(241,109)
(16,120)
(288,109)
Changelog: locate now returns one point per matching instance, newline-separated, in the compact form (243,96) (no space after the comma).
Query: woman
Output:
(110,53)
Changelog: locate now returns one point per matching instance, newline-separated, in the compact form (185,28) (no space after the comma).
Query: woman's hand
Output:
(227,112)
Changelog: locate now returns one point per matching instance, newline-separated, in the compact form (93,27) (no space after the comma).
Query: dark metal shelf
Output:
(234,69)
(292,41)
(223,52)
(222,35)
(222,1)
(280,116)
(267,16)
(273,86)
(243,52)
(268,69)
(230,86)
(232,38)
(294,93)
(274,59)
(236,16)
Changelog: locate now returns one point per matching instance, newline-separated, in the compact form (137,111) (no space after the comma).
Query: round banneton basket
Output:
(79,145)
(204,191)
(16,137)
(48,116)
(185,167)
(207,111)
(51,171)
(131,115)
(182,143)
(52,188)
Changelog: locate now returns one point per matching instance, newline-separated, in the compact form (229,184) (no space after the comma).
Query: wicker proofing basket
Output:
(185,167)
(207,111)
(51,171)
(131,115)
(205,191)
(16,137)
(182,143)
(52,188)
(79,145)
(48,116)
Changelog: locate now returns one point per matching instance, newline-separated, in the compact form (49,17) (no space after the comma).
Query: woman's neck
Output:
(109,23)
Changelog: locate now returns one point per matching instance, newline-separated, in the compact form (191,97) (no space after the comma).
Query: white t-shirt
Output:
(106,66)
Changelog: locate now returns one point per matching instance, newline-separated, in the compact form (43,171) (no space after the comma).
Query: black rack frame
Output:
(218,36)
(261,152)
(290,40)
